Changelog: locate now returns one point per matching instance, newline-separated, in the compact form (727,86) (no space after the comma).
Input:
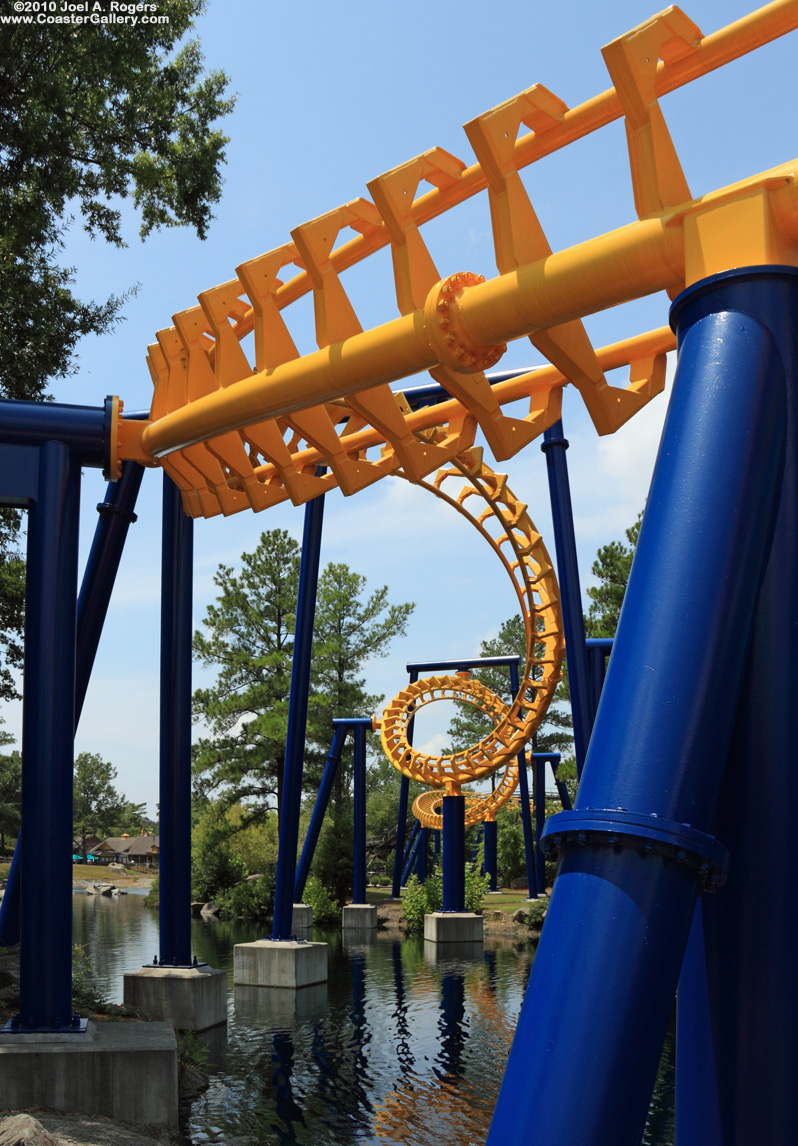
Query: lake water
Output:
(397,1047)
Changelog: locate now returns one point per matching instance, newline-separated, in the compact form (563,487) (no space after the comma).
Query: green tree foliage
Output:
(248,637)
(86,121)
(12,601)
(510,844)
(612,567)
(10,791)
(98,808)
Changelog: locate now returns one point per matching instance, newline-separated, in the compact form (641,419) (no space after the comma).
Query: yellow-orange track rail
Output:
(504,523)
(237,434)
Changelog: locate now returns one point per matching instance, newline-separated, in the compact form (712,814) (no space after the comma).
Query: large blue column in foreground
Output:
(48,724)
(636,850)
(177,567)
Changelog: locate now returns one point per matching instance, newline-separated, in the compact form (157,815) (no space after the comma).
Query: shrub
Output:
(537,912)
(250,900)
(415,905)
(86,994)
(153,896)
(422,899)
(326,910)
(213,871)
(334,862)
(476,887)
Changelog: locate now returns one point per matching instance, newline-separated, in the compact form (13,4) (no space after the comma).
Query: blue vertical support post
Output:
(48,723)
(436,849)
(453,853)
(177,570)
(621,911)
(526,817)
(422,866)
(539,800)
(492,854)
(554,446)
(359,878)
(737,1015)
(598,649)
(319,808)
(411,853)
(401,819)
(297,719)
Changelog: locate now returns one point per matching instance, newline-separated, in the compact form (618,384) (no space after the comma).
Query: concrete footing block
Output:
(188,998)
(125,1071)
(289,963)
(359,917)
(301,918)
(453,927)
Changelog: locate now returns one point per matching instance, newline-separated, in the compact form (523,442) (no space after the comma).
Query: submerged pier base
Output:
(187,998)
(288,963)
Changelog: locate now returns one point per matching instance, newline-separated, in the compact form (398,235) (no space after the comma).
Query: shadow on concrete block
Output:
(289,963)
(125,1071)
(453,927)
(188,998)
(278,1006)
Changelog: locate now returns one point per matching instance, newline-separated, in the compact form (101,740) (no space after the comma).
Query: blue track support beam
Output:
(359,877)
(11,903)
(454,853)
(436,849)
(84,430)
(750,930)
(401,819)
(422,862)
(319,810)
(297,719)
(175,741)
(48,722)
(492,854)
(411,853)
(539,800)
(116,516)
(604,978)
(698,1116)
(526,815)
(554,446)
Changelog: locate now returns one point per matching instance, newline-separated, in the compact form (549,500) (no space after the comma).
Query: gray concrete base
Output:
(279,1007)
(289,963)
(188,998)
(301,918)
(453,927)
(359,917)
(125,1071)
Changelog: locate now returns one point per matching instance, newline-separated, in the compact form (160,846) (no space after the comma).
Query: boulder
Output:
(116,867)
(91,889)
(252,878)
(196,908)
(22,1130)
(105,888)
(520,916)
(118,891)
(209,909)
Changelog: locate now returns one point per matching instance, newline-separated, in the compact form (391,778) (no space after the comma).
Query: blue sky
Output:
(329,97)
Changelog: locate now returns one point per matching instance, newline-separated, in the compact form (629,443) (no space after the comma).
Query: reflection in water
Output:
(395,1049)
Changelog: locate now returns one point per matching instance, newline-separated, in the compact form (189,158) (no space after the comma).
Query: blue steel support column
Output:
(359,877)
(746,991)
(539,799)
(116,516)
(454,853)
(436,849)
(411,853)
(297,719)
(526,817)
(319,809)
(492,854)
(401,819)
(177,570)
(47,742)
(422,866)
(598,649)
(604,977)
(554,446)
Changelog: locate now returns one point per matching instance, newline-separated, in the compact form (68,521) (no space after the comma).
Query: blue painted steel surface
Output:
(554,446)
(454,853)
(19,475)
(10,906)
(47,742)
(526,814)
(411,855)
(751,927)
(422,860)
(85,430)
(420,668)
(539,800)
(604,977)
(319,810)
(359,878)
(436,849)
(698,1118)
(116,516)
(297,719)
(177,546)
(492,854)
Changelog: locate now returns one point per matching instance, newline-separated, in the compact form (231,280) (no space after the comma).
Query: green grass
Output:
(507,901)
